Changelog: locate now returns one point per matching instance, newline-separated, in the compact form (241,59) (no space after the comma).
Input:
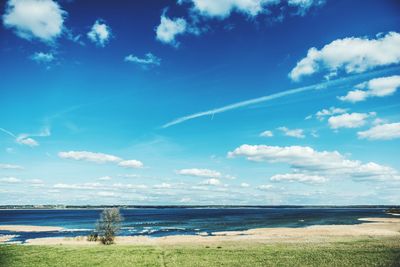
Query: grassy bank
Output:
(371,252)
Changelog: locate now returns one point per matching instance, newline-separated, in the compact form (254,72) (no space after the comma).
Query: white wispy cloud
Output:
(40,19)
(100,33)
(265,187)
(211,181)
(299,177)
(26,138)
(148,60)
(10,180)
(105,178)
(10,166)
(349,120)
(245,185)
(267,134)
(351,55)
(199,173)
(387,131)
(304,5)
(162,186)
(168,29)
(297,133)
(378,87)
(134,164)
(89,156)
(266,98)
(306,160)
(41,57)
(329,112)
(100,158)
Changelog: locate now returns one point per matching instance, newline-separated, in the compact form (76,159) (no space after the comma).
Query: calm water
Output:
(190,221)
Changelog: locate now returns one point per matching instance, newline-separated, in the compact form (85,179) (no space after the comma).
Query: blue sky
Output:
(200,102)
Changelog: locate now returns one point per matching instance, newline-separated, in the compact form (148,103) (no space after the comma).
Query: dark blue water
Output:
(186,221)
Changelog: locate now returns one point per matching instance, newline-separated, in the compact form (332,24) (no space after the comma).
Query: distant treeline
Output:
(388,208)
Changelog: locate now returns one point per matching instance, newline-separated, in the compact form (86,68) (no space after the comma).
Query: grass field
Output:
(371,252)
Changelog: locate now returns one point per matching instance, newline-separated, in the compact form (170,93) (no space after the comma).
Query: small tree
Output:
(108,225)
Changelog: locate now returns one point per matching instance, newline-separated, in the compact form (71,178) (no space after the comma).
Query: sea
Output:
(156,222)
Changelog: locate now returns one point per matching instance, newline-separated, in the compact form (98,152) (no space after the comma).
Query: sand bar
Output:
(373,227)
(29,228)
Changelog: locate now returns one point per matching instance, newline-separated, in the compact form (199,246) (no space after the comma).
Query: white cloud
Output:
(266,134)
(386,131)
(10,166)
(148,60)
(223,9)
(36,181)
(105,178)
(299,177)
(41,57)
(352,55)
(168,29)
(25,139)
(304,5)
(162,186)
(10,180)
(89,156)
(378,87)
(41,19)
(329,112)
(135,164)
(106,194)
(304,159)
(349,120)
(100,33)
(211,181)
(244,185)
(265,187)
(199,173)
(297,133)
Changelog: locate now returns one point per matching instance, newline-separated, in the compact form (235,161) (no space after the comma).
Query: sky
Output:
(199,102)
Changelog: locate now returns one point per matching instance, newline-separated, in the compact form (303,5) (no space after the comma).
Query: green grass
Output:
(371,252)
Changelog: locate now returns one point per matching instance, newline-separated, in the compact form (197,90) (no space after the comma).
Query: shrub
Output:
(92,237)
(108,225)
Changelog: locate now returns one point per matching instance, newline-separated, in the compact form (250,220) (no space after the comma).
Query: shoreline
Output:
(370,227)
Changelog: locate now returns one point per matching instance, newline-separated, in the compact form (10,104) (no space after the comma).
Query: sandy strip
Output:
(5,238)
(376,227)
(29,228)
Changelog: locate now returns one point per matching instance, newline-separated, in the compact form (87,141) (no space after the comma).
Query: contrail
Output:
(271,97)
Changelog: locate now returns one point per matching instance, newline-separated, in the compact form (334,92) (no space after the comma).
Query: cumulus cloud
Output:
(329,112)
(30,19)
(266,134)
(199,173)
(378,87)
(299,177)
(304,159)
(168,29)
(10,180)
(44,58)
(351,55)
(386,131)
(10,166)
(211,181)
(297,133)
(349,120)
(100,33)
(134,164)
(146,62)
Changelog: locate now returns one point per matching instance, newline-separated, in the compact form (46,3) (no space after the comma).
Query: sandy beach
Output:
(371,227)
(29,228)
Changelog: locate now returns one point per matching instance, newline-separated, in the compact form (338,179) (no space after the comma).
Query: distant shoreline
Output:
(94,207)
